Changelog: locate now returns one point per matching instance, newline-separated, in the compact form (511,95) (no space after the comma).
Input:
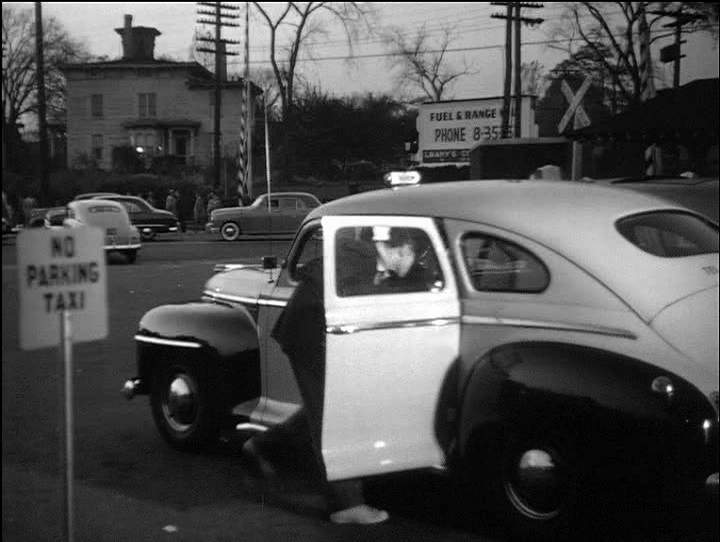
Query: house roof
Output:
(161,123)
(136,64)
(691,109)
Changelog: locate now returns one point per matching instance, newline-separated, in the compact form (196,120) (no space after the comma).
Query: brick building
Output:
(158,107)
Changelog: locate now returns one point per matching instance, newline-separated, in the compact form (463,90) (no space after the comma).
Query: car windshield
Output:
(670,234)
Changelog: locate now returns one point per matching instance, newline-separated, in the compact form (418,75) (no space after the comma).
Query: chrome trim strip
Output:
(272,302)
(167,342)
(122,247)
(266,302)
(347,329)
(251,427)
(542,324)
(231,298)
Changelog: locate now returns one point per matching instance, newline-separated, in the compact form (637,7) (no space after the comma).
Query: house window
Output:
(146,105)
(97,146)
(96,105)
(143,142)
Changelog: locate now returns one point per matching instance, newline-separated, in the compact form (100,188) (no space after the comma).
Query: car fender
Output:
(603,400)
(228,330)
(223,339)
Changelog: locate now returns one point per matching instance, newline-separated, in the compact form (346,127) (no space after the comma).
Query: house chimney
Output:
(127,36)
(138,42)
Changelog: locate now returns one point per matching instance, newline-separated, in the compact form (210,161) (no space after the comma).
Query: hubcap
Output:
(535,485)
(230,231)
(180,405)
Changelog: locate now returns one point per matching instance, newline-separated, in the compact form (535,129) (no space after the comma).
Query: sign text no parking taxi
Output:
(61,270)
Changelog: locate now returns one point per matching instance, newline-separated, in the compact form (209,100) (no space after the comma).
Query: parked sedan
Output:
(558,350)
(120,235)
(146,218)
(281,212)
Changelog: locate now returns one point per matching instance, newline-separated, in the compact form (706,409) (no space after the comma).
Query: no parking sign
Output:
(61,270)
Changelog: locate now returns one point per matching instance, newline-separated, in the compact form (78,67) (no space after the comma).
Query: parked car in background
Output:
(146,218)
(701,194)
(120,235)
(40,216)
(281,212)
(558,349)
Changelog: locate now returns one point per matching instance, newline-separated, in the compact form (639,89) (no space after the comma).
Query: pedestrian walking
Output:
(213,203)
(199,211)
(300,331)
(28,205)
(171,203)
(180,211)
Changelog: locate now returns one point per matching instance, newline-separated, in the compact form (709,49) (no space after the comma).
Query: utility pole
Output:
(220,73)
(517,19)
(672,53)
(42,118)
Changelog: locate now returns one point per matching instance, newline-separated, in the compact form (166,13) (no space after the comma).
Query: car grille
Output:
(111,231)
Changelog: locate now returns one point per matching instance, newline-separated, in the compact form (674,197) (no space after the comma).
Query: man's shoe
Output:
(253,457)
(361,514)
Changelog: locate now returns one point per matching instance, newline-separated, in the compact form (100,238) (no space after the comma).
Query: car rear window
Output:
(103,209)
(670,234)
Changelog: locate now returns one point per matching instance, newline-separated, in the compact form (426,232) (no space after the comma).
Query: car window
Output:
(131,206)
(497,265)
(670,234)
(378,260)
(308,202)
(310,247)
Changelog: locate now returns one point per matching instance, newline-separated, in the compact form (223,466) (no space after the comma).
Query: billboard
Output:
(448,130)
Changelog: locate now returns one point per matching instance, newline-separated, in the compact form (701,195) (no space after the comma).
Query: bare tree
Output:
(19,80)
(291,27)
(423,64)
(610,31)
(304,20)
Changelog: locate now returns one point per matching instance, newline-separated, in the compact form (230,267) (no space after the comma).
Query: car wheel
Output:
(182,407)
(131,256)
(536,488)
(230,231)
(147,236)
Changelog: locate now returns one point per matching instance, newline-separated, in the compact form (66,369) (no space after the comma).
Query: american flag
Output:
(244,165)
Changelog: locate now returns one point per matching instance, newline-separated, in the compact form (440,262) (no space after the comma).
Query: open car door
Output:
(387,355)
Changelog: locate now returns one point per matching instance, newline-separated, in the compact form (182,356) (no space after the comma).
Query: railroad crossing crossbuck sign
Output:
(575,109)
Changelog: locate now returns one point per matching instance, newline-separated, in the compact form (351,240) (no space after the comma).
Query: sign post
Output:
(580,118)
(66,348)
(63,298)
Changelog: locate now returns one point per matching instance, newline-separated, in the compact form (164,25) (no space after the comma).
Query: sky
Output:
(480,37)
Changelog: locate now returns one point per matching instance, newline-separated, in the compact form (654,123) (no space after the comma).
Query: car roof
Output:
(288,194)
(94,202)
(576,220)
(517,205)
(94,195)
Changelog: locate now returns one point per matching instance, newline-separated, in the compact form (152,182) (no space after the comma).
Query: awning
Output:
(688,111)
